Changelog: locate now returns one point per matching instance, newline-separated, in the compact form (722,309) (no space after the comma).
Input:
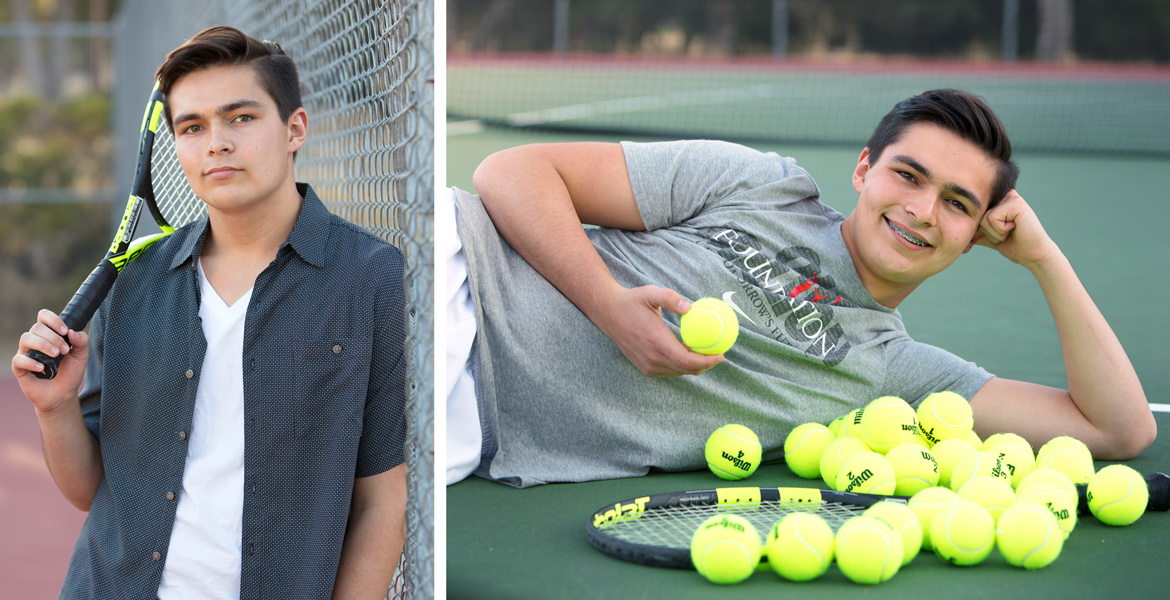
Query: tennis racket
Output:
(160,186)
(656,530)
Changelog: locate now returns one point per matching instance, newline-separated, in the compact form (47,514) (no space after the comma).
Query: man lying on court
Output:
(575,370)
(248,438)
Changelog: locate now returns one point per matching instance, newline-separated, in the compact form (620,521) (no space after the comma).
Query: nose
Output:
(922,207)
(219,139)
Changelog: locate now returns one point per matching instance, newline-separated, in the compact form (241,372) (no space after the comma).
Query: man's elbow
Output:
(1136,438)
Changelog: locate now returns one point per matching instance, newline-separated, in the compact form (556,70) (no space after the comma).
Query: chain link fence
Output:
(367,78)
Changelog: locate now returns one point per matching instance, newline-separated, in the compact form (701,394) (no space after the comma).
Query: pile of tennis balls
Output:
(967,496)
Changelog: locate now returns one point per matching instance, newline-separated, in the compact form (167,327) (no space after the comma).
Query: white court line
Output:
(1160,407)
(640,103)
(464,127)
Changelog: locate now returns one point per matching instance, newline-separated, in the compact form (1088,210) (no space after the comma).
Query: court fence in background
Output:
(367,79)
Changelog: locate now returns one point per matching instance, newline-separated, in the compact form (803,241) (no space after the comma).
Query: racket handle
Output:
(79,311)
(1158,484)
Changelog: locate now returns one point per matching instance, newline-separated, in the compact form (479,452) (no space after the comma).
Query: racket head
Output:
(656,530)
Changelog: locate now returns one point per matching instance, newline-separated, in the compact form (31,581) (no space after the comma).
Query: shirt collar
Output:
(308,236)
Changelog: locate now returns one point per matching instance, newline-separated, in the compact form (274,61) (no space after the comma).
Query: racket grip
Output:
(79,311)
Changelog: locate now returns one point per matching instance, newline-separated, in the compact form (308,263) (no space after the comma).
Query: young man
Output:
(247,440)
(576,369)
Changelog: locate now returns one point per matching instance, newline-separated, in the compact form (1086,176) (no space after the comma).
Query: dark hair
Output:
(965,114)
(216,46)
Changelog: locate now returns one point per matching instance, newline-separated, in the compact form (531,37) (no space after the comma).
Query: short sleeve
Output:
(91,396)
(915,370)
(384,423)
(675,181)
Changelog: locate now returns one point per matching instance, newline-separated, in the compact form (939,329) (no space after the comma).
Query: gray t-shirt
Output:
(558,400)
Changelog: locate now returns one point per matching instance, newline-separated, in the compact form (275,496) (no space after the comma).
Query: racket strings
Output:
(173,195)
(674,526)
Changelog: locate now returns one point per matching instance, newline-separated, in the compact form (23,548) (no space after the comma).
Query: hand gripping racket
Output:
(160,185)
(656,530)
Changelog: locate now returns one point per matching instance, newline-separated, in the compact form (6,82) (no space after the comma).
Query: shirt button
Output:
(182,435)
(190,373)
(156,556)
(337,348)
(170,495)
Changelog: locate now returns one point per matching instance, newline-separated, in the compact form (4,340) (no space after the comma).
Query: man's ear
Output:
(298,129)
(861,171)
(974,240)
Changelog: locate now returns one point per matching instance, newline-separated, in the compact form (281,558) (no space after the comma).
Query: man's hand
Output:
(633,320)
(1013,230)
(48,335)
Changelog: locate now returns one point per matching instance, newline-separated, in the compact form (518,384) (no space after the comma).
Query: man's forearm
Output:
(71,453)
(374,536)
(1101,379)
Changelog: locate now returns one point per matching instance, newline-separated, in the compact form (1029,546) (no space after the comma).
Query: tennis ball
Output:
(867,550)
(800,547)
(1064,441)
(835,426)
(991,493)
(1018,460)
(1028,536)
(1050,476)
(1004,439)
(1069,461)
(709,327)
(944,416)
(963,534)
(915,468)
(1057,501)
(1117,495)
(888,422)
(851,426)
(733,452)
(866,473)
(948,453)
(904,523)
(803,448)
(974,465)
(973,439)
(725,549)
(836,453)
(926,504)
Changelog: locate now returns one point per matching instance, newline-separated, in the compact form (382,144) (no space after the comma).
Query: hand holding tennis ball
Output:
(709,327)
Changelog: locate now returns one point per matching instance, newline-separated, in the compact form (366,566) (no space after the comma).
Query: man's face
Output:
(920,206)
(232,144)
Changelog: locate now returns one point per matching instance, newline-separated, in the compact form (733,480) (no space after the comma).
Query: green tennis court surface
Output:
(504,543)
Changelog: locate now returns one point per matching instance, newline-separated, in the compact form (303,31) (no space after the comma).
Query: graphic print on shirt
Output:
(785,295)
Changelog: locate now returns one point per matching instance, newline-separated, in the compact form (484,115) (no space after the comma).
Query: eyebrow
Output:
(226,108)
(948,187)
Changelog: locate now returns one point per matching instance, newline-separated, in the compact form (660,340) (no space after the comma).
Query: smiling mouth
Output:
(907,236)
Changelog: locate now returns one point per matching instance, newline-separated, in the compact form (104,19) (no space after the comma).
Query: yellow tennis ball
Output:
(866,473)
(974,465)
(803,448)
(973,439)
(1117,495)
(709,327)
(1050,476)
(904,523)
(915,468)
(991,493)
(851,426)
(1004,439)
(1064,441)
(725,549)
(888,422)
(835,426)
(1028,536)
(1069,461)
(867,550)
(1057,501)
(948,453)
(963,534)
(1018,460)
(733,452)
(926,504)
(836,453)
(800,547)
(944,416)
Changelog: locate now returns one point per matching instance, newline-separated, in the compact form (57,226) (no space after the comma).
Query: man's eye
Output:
(908,176)
(243,118)
(191,129)
(958,204)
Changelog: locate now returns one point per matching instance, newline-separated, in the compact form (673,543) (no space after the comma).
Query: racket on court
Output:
(160,187)
(656,530)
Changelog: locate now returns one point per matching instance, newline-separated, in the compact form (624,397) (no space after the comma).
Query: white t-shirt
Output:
(203,559)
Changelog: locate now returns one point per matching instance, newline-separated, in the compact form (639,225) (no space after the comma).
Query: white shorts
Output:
(464,437)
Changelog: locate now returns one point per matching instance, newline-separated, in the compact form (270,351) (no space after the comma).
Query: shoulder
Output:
(355,249)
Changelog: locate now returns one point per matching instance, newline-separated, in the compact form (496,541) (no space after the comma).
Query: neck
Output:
(255,231)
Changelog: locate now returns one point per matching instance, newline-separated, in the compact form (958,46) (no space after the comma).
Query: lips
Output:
(909,238)
(221,172)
